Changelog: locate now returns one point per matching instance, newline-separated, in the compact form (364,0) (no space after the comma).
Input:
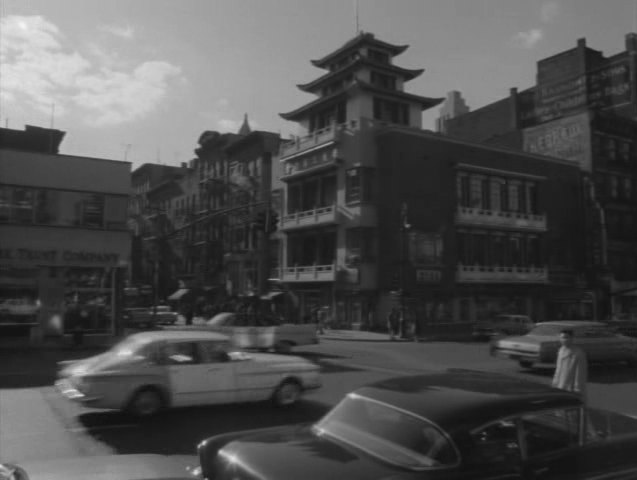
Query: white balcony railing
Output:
(309,218)
(309,273)
(478,216)
(314,139)
(497,274)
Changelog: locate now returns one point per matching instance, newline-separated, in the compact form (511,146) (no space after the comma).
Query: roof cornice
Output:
(407,74)
(360,39)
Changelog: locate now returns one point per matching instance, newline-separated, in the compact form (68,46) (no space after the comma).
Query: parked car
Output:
(146,317)
(104,467)
(539,347)
(458,424)
(19,306)
(263,333)
(149,371)
(503,324)
(625,327)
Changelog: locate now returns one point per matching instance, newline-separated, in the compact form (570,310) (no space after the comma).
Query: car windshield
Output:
(130,346)
(220,320)
(547,330)
(392,434)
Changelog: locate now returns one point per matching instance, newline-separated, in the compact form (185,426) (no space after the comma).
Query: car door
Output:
(592,343)
(552,444)
(220,372)
(188,377)
(494,452)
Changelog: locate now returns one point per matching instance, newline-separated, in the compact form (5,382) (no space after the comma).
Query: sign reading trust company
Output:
(568,138)
(58,256)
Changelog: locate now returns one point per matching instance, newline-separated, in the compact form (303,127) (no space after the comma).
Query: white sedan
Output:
(150,371)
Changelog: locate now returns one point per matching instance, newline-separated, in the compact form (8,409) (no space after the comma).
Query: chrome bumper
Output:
(67,390)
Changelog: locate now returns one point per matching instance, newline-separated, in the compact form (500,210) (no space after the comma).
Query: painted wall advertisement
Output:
(608,86)
(567,138)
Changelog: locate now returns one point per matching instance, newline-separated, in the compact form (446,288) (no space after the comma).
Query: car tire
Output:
(146,402)
(525,363)
(283,347)
(287,394)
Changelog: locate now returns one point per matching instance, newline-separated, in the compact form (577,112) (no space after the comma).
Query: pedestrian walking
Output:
(392,323)
(571,370)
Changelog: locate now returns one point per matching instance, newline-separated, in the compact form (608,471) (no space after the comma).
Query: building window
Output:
(627,188)
(383,81)
(378,56)
(425,248)
(613,186)
(360,246)
(463,191)
(496,194)
(610,148)
(389,111)
(21,210)
(514,196)
(624,151)
(504,196)
(498,249)
(515,250)
(533,255)
(532,190)
(358,185)
(478,195)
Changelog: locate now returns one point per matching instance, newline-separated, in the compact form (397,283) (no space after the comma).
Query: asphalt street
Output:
(37,423)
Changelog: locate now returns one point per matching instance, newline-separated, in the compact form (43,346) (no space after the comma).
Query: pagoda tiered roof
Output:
(407,74)
(362,38)
(425,102)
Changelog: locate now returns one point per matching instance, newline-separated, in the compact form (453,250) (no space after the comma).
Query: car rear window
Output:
(389,433)
(547,330)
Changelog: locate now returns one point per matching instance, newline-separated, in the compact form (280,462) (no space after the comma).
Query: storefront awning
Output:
(178,294)
(271,295)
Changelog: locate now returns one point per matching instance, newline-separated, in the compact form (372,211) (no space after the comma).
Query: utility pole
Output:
(404,227)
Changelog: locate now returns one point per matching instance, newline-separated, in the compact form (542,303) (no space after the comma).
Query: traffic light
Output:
(266,221)
(273,224)
(259,221)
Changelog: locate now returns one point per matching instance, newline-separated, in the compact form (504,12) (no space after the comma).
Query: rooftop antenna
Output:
(127,147)
(358,30)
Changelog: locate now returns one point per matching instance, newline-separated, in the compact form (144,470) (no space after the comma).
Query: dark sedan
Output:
(457,424)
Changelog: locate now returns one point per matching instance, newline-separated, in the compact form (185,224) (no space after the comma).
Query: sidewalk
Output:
(355,335)
(30,431)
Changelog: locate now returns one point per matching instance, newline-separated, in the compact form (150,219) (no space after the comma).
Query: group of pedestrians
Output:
(400,325)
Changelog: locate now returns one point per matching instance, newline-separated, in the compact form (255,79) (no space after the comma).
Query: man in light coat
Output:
(571,371)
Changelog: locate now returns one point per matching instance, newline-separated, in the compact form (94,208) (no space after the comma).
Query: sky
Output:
(141,80)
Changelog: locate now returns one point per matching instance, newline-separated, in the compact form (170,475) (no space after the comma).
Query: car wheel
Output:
(286,394)
(146,402)
(283,347)
(526,363)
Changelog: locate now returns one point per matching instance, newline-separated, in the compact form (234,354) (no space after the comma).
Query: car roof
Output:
(158,335)
(573,323)
(461,400)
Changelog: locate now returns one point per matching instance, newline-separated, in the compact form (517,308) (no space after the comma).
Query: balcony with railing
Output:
(318,138)
(501,274)
(310,218)
(495,218)
(309,273)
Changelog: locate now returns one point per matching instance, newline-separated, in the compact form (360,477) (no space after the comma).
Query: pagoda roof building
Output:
(360,77)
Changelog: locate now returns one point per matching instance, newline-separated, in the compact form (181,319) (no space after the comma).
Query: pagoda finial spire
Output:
(245,127)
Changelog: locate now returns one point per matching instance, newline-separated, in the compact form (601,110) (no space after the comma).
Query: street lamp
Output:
(404,228)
